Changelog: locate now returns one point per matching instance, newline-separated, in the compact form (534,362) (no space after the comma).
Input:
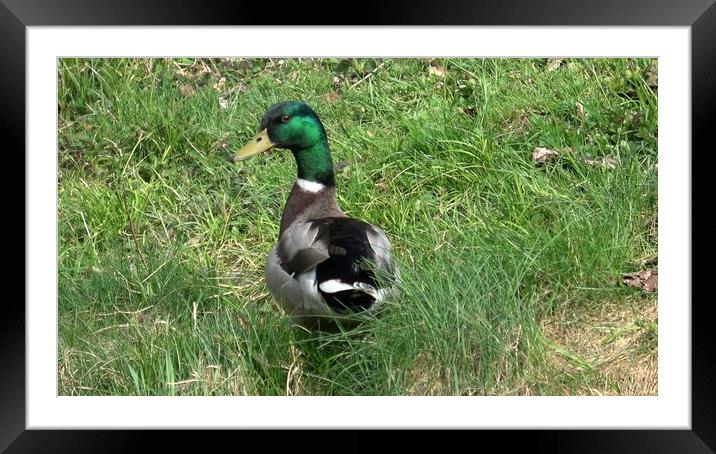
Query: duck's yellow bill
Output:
(255,146)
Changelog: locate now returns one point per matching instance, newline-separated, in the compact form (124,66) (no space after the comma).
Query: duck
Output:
(327,269)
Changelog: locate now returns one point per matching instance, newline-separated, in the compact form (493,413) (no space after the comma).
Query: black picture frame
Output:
(699,15)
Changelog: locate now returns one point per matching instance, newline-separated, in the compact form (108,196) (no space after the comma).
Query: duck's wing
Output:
(349,261)
(304,245)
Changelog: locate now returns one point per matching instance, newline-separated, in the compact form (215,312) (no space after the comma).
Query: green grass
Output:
(162,241)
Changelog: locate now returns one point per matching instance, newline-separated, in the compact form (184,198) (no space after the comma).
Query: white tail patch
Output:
(334,285)
(310,186)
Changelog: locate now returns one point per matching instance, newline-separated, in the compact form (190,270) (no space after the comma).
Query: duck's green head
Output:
(292,125)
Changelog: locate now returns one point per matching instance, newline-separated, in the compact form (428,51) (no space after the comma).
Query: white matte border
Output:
(670,409)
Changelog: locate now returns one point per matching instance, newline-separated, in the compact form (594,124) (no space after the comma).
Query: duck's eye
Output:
(285,118)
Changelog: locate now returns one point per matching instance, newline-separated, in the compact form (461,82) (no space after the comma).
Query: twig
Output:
(131,153)
(123,325)
(184,382)
(139,311)
(193,313)
(154,272)
(89,234)
(367,76)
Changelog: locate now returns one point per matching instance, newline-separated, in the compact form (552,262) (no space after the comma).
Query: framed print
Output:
(477,248)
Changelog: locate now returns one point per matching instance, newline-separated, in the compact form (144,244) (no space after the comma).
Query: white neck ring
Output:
(310,186)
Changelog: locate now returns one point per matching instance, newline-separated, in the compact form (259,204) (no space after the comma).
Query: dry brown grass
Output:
(425,379)
(611,350)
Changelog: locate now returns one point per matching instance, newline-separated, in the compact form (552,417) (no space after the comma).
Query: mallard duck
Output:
(326,266)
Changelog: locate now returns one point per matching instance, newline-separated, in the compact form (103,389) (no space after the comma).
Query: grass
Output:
(511,270)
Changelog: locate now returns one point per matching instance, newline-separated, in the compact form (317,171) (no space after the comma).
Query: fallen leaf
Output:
(187,90)
(223,103)
(543,155)
(370,133)
(219,84)
(647,280)
(554,63)
(333,96)
(437,70)
(606,162)
(580,109)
